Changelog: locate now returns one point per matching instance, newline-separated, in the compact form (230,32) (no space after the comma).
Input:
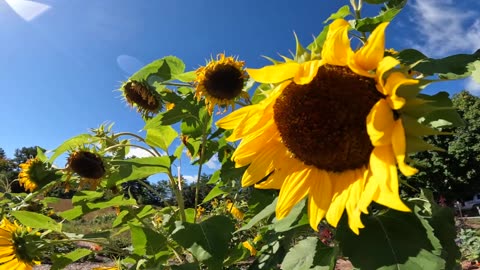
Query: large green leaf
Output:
(160,70)
(137,168)
(145,241)
(72,143)
(37,221)
(62,260)
(310,253)
(390,240)
(266,212)
(161,136)
(452,67)
(82,207)
(287,223)
(370,23)
(443,222)
(215,192)
(208,241)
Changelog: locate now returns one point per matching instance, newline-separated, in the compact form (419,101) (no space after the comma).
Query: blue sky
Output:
(62,60)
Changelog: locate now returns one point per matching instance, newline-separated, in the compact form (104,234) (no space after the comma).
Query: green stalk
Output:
(201,161)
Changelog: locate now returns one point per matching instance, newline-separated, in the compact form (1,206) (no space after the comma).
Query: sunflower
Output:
(237,213)
(142,96)
(15,251)
(88,165)
(35,174)
(331,130)
(250,247)
(221,81)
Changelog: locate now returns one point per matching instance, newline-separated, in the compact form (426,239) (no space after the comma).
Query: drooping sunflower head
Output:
(221,82)
(332,130)
(88,165)
(18,246)
(142,96)
(35,174)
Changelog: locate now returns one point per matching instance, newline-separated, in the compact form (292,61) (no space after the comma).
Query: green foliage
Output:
(301,257)
(469,244)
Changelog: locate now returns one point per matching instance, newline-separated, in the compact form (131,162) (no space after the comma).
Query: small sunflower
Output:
(332,130)
(89,166)
(221,81)
(250,247)
(142,96)
(15,247)
(237,213)
(35,174)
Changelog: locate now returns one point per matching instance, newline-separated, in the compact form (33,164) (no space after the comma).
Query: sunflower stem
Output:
(177,84)
(178,195)
(200,161)
(358,15)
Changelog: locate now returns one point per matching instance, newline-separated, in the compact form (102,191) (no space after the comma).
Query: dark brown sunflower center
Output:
(137,93)
(323,123)
(87,164)
(224,81)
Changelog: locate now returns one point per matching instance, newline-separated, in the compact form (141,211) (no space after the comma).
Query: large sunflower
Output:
(221,81)
(331,130)
(89,166)
(142,96)
(14,251)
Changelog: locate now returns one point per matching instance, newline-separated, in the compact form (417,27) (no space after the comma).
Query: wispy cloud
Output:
(445,28)
(138,152)
(28,10)
(472,86)
(213,163)
(189,178)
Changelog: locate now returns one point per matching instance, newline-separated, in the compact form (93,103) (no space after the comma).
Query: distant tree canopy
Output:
(454,173)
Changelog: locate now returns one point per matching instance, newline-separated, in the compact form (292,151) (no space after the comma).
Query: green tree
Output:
(453,173)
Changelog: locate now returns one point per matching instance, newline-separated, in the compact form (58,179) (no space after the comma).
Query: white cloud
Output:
(472,86)
(445,28)
(26,9)
(189,178)
(138,152)
(213,163)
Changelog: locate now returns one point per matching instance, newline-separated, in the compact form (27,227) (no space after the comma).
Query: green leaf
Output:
(208,241)
(84,206)
(187,266)
(190,215)
(73,143)
(341,13)
(370,23)
(309,253)
(37,221)
(390,240)
(137,168)
(286,223)
(266,212)
(316,46)
(41,155)
(452,67)
(145,241)
(215,192)
(161,136)
(160,70)
(61,261)
(186,77)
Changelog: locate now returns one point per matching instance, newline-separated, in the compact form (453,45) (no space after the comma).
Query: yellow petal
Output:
(353,211)
(307,72)
(369,56)
(320,196)
(232,120)
(380,123)
(336,48)
(384,174)
(254,120)
(395,80)
(261,166)
(252,144)
(341,189)
(385,65)
(294,189)
(274,74)
(399,148)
